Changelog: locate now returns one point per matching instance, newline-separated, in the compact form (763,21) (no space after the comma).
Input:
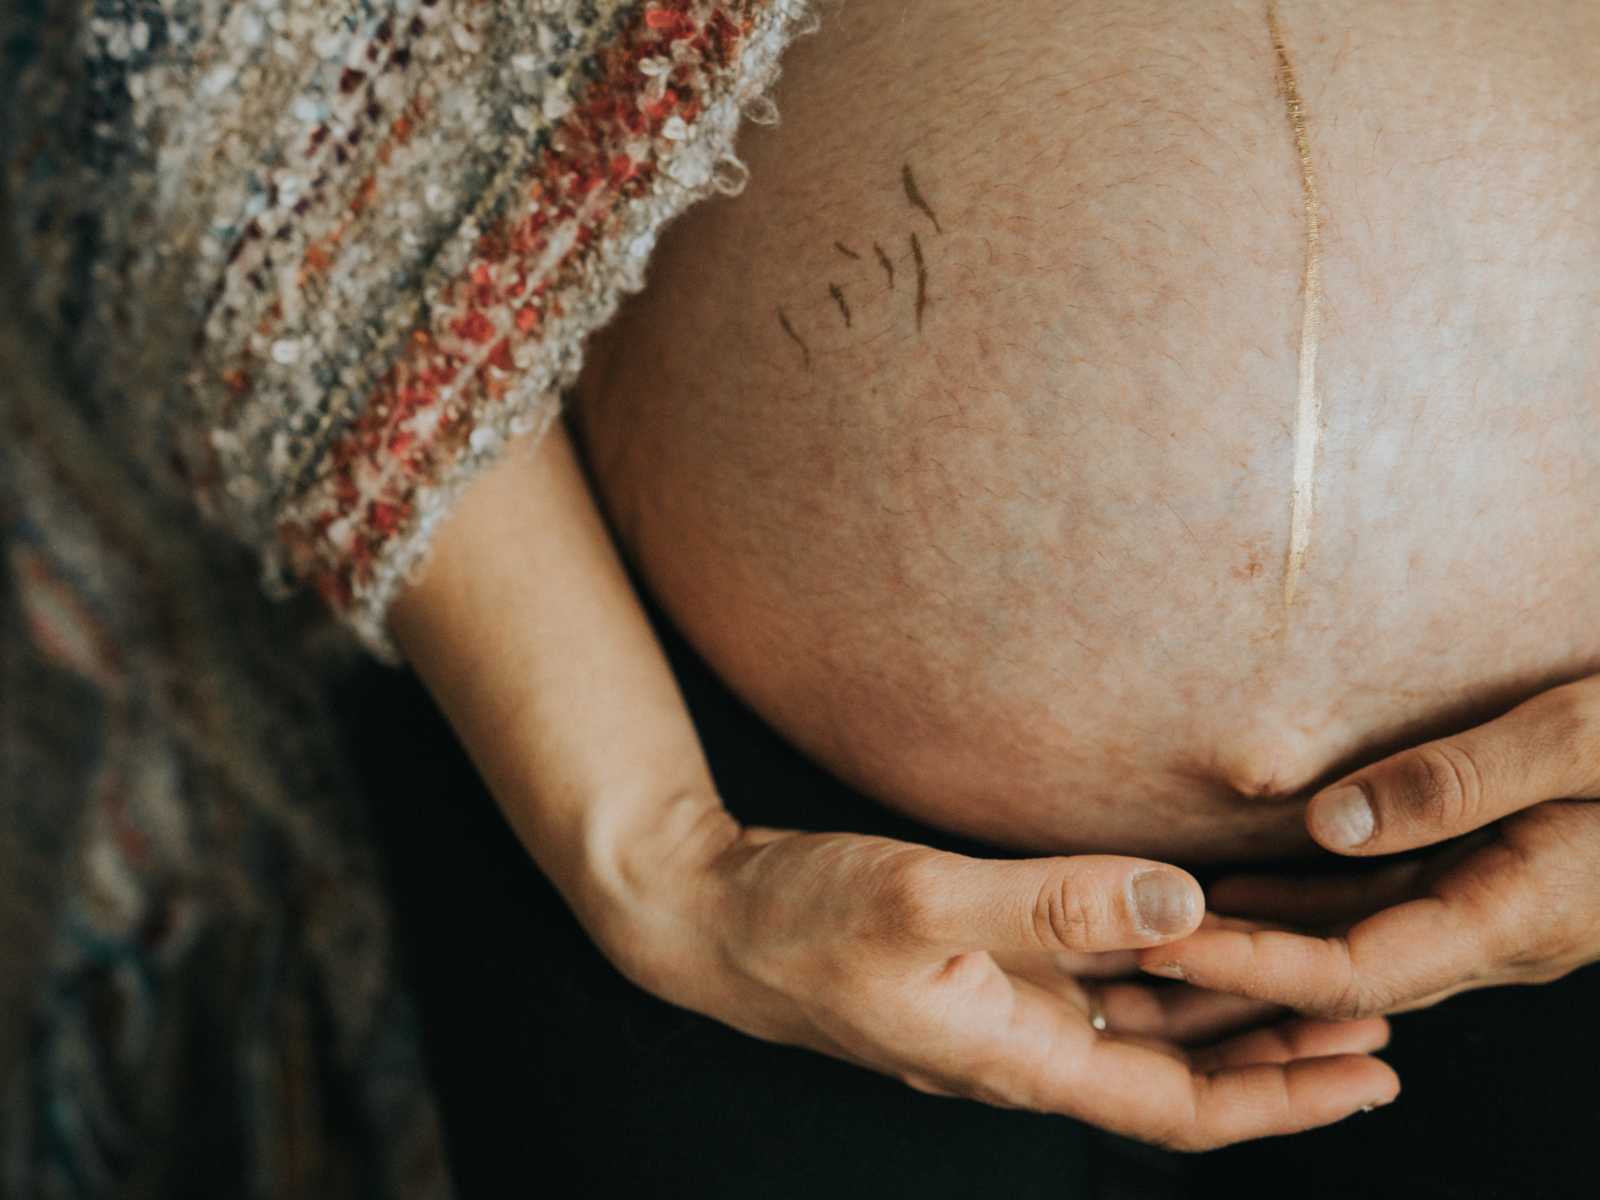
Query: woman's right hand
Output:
(988,979)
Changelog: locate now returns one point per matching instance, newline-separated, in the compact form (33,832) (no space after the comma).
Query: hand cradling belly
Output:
(1097,425)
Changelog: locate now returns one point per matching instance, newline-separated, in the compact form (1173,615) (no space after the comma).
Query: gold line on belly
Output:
(1308,410)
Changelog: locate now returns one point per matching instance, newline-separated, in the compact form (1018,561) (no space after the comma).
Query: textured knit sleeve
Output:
(313,262)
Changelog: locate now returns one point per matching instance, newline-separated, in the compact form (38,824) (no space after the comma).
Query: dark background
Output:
(547,1060)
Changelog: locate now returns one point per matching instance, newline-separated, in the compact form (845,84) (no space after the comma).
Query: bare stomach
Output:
(1094,429)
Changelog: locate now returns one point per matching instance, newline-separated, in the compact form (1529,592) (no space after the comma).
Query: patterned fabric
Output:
(280,277)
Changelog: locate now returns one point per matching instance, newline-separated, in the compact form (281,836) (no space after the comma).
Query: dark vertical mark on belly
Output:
(914,194)
(805,350)
(885,263)
(846,251)
(922,279)
(837,293)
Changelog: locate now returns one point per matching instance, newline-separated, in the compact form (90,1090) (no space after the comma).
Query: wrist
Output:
(642,888)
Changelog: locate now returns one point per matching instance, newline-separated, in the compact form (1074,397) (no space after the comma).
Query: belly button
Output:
(1275,768)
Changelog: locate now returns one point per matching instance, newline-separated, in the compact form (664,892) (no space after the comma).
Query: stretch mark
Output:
(805,350)
(914,194)
(922,279)
(837,293)
(885,262)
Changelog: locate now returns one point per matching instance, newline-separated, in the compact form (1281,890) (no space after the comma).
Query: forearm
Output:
(527,631)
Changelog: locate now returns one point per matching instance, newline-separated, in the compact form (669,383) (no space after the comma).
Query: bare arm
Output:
(537,650)
(957,975)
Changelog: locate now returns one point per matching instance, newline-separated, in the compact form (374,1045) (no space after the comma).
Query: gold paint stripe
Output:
(1308,408)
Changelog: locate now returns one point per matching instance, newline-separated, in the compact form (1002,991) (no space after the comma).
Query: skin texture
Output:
(957,975)
(1512,896)
(1019,572)
(976,479)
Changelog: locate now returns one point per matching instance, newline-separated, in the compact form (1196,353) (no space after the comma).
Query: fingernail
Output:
(1168,970)
(1165,902)
(1343,818)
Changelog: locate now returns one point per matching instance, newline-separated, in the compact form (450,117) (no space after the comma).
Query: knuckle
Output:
(1357,996)
(1573,710)
(1569,724)
(1442,786)
(1064,917)
(1346,1004)
(1362,1001)
(1544,924)
(906,891)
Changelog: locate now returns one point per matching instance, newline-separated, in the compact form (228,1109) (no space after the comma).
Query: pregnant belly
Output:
(1100,442)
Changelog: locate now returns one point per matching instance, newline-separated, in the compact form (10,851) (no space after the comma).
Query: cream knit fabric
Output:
(299,267)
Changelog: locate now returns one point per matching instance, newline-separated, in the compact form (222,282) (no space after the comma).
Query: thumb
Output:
(1547,748)
(1089,903)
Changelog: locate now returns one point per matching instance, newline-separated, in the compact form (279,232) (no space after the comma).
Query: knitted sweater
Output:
(281,277)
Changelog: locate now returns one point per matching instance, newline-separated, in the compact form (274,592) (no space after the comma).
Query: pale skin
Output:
(957,975)
(865,536)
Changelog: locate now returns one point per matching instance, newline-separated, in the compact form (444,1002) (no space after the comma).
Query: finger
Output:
(1039,971)
(1041,1057)
(1546,748)
(1084,904)
(1216,920)
(1035,964)
(1142,1092)
(1266,1099)
(1177,1014)
(1391,959)
(1110,964)
(1166,1018)
(1439,997)
(1293,1040)
(1319,901)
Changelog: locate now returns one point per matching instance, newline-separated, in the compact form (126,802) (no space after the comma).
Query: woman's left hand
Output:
(1515,900)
